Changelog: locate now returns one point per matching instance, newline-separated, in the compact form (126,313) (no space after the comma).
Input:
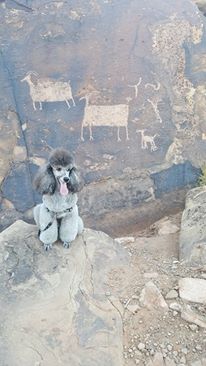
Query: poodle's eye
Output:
(59,169)
(68,169)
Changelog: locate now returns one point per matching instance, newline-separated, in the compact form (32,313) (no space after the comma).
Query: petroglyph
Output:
(154,104)
(135,86)
(48,90)
(147,141)
(104,115)
(153,86)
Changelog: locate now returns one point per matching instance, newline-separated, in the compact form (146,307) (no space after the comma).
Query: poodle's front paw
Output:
(66,244)
(47,246)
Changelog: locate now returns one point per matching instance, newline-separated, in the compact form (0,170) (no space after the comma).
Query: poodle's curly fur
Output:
(58,181)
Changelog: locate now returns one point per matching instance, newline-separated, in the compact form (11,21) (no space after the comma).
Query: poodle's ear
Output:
(76,182)
(44,181)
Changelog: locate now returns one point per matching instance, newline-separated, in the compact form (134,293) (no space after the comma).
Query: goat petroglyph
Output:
(104,115)
(48,90)
(147,141)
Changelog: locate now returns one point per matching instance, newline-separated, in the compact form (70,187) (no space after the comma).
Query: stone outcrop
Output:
(193,230)
(120,84)
(57,307)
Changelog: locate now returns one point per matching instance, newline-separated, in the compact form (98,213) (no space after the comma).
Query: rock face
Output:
(119,83)
(56,307)
(193,230)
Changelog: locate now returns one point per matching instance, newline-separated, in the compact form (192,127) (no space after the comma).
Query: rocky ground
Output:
(105,302)
(164,317)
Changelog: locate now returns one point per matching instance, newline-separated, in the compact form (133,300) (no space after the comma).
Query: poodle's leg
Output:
(48,228)
(69,227)
(80,225)
(36,212)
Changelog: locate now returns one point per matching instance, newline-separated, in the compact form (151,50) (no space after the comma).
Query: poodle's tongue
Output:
(63,189)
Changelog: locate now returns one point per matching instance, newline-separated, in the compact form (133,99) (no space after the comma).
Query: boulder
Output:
(55,307)
(193,289)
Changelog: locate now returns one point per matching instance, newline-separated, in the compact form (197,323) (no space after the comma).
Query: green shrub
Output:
(202,178)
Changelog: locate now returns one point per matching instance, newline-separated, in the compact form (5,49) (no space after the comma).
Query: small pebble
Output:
(175,306)
(141,346)
(193,327)
(173,294)
(183,360)
(137,353)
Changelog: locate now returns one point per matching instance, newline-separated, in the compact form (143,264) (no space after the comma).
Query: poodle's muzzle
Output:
(62,174)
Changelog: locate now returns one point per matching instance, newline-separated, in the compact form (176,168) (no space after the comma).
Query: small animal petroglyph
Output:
(147,140)
(48,90)
(155,87)
(104,115)
(135,86)
(154,105)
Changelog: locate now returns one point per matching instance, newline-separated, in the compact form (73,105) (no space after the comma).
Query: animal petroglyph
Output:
(135,86)
(48,90)
(147,141)
(154,104)
(153,86)
(105,115)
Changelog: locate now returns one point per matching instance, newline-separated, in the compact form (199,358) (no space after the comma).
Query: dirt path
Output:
(154,331)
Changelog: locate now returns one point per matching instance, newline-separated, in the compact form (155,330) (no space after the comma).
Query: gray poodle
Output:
(58,182)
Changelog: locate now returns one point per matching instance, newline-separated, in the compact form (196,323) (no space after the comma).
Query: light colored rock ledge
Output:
(57,307)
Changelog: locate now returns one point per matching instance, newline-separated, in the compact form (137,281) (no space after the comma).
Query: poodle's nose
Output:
(66,179)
